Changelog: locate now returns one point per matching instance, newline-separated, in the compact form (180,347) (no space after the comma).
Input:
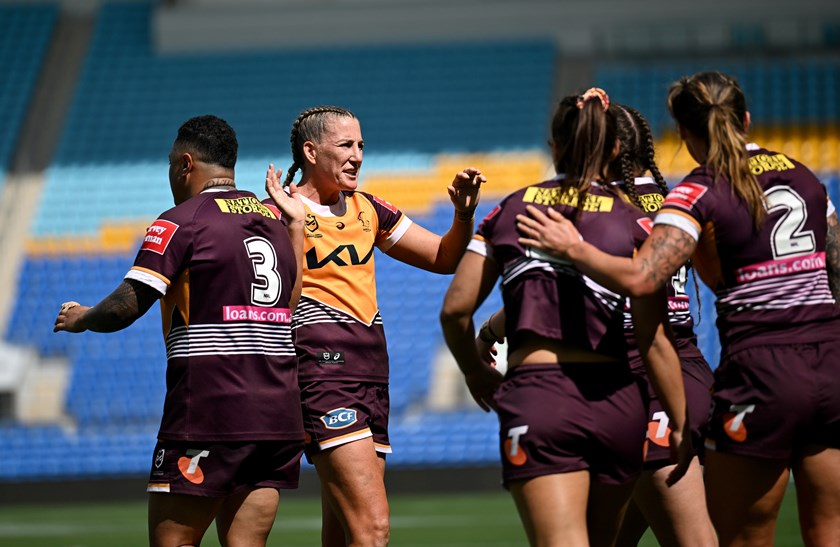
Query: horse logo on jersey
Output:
(365,222)
(339,418)
(513,451)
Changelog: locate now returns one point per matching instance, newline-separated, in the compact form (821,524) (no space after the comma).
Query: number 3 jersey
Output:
(225,267)
(771,283)
(338,328)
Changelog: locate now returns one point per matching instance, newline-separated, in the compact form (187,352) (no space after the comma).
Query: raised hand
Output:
(289,203)
(465,190)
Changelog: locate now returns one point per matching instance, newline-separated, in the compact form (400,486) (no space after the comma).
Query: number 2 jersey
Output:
(338,329)
(225,267)
(771,283)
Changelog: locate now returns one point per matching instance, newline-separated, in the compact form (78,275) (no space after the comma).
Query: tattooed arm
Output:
(662,254)
(129,301)
(832,254)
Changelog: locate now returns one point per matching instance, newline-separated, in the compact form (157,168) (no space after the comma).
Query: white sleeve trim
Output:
(482,248)
(830,210)
(678,221)
(147,279)
(396,235)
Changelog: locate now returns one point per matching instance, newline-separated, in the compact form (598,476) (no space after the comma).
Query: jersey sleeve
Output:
(392,223)
(163,253)
(684,208)
(481,243)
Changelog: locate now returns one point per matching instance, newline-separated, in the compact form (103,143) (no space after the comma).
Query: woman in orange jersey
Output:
(339,335)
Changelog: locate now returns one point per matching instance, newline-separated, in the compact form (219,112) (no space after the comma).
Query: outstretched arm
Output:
(129,301)
(473,281)
(662,254)
(662,363)
(440,254)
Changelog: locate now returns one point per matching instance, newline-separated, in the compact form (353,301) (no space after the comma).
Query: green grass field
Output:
(462,520)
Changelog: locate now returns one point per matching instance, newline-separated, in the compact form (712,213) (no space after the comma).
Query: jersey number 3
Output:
(265,291)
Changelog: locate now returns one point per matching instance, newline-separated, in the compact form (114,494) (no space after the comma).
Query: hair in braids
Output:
(310,125)
(711,105)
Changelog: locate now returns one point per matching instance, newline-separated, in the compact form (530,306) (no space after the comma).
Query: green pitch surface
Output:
(468,520)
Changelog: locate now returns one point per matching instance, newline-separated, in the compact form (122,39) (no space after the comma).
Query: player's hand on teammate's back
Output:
(465,189)
(549,232)
(69,316)
(289,203)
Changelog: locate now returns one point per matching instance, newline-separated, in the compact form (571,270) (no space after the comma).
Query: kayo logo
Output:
(339,418)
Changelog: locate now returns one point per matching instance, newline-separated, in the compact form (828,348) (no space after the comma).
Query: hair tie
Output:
(594,93)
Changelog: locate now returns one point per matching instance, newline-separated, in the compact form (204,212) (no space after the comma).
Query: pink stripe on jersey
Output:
(256,313)
(778,268)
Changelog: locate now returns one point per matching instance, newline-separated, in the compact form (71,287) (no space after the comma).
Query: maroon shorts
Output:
(221,469)
(771,401)
(340,412)
(698,379)
(562,418)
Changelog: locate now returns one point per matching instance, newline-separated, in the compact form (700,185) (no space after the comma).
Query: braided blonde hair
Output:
(310,125)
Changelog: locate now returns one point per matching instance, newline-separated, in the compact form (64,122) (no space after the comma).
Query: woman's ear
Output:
(310,152)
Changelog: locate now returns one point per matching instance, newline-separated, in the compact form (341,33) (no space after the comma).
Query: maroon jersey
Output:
(547,296)
(771,283)
(679,312)
(225,267)
(338,328)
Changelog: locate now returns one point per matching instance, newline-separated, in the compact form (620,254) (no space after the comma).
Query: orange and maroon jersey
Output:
(771,283)
(225,267)
(338,328)
(547,296)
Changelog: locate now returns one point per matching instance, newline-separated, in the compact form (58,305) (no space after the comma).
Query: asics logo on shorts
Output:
(339,418)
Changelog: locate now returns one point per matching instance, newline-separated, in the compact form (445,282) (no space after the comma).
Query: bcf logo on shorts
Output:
(339,418)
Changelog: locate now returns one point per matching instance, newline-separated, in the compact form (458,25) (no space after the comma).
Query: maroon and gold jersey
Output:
(679,312)
(225,267)
(338,328)
(771,283)
(547,296)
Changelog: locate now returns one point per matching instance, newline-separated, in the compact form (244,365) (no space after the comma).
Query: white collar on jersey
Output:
(337,209)
(638,181)
(752,146)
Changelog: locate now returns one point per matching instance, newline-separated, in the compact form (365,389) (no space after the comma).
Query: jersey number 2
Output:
(788,238)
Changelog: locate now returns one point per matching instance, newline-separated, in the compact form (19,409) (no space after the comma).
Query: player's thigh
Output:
(180,519)
(553,508)
(607,503)
(245,518)
(677,513)
(817,477)
(744,495)
(353,477)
